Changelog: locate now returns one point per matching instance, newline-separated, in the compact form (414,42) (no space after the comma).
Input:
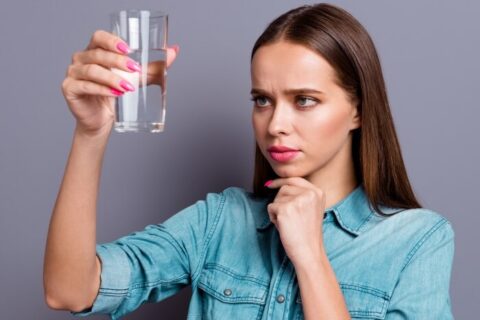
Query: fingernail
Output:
(126,85)
(268,183)
(134,66)
(123,47)
(116,92)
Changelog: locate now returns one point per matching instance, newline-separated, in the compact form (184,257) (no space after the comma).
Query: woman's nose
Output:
(280,121)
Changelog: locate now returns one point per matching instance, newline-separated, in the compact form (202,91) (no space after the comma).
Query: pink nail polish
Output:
(116,92)
(127,86)
(132,65)
(123,47)
(268,183)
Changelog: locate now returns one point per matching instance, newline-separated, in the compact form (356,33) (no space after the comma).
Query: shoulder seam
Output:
(422,240)
(216,218)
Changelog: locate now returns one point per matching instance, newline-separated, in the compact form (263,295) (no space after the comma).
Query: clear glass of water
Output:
(145,31)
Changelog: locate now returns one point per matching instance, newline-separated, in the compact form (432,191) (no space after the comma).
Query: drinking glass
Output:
(145,32)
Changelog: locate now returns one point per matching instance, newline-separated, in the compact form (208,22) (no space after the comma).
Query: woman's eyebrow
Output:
(258,91)
(288,91)
(301,91)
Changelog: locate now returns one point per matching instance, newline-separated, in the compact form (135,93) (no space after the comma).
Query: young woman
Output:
(332,229)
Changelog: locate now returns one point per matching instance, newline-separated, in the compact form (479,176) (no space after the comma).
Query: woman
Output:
(332,230)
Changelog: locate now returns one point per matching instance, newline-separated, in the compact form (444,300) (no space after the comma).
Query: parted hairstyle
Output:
(341,40)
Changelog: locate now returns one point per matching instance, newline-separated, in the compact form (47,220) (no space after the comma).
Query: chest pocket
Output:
(231,295)
(363,302)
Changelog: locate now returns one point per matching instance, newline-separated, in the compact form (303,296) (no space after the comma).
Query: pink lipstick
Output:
(282,153)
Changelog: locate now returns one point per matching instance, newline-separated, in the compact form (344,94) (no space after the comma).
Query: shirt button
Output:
(280,298)
(227,292)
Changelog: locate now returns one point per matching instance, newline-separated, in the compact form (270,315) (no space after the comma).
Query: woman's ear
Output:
(356,118)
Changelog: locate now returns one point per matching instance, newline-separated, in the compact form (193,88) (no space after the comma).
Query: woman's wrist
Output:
(310,257)
(83,135)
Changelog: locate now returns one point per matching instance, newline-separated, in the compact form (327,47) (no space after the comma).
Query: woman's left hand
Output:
(297,212)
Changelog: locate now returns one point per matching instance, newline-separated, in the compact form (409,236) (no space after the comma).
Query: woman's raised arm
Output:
(71,267)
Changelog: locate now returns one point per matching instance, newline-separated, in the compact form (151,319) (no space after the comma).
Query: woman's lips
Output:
(283,156)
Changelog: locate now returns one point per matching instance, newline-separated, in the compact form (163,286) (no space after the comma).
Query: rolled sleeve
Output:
(155,263)
(422,291)
(114,280)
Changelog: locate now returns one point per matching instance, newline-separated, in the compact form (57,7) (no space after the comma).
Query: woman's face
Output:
(298,105)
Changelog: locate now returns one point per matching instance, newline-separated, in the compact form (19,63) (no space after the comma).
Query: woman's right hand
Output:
(90,87)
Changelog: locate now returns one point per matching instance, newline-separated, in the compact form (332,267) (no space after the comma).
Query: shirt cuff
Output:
(114,280)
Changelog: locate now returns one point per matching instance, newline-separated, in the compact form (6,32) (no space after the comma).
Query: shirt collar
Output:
(352,212)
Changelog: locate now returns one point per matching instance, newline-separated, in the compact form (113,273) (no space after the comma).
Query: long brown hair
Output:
(340,39)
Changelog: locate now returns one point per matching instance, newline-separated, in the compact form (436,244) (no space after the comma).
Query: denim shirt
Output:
(227,249)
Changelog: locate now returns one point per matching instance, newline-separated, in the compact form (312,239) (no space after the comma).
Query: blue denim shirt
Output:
(230,253)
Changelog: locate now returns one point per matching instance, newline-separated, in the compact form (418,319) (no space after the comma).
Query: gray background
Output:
(429,51)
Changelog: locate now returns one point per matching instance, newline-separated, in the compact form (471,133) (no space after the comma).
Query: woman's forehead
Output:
(288,64)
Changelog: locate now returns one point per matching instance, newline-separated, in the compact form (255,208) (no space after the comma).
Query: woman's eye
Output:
(306,102)
(260,101)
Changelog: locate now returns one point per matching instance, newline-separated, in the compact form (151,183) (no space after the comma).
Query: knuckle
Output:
(97,35)
(65,85)
(96,54)
(284,189)
(70,71)
(295,180)
(85,86)
(90,70)
(76,57)
(270,207)
(320,193)
(311,194)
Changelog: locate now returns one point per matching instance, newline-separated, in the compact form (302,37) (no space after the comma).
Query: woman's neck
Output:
(337,179)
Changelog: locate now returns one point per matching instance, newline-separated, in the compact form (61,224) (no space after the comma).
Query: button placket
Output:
(277,306)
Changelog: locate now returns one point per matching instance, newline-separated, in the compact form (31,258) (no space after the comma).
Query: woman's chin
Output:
(284,171)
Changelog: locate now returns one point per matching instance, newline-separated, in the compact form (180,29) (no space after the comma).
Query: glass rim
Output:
(153,13)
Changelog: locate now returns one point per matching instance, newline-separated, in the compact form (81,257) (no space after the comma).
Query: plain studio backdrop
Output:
(429,53)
